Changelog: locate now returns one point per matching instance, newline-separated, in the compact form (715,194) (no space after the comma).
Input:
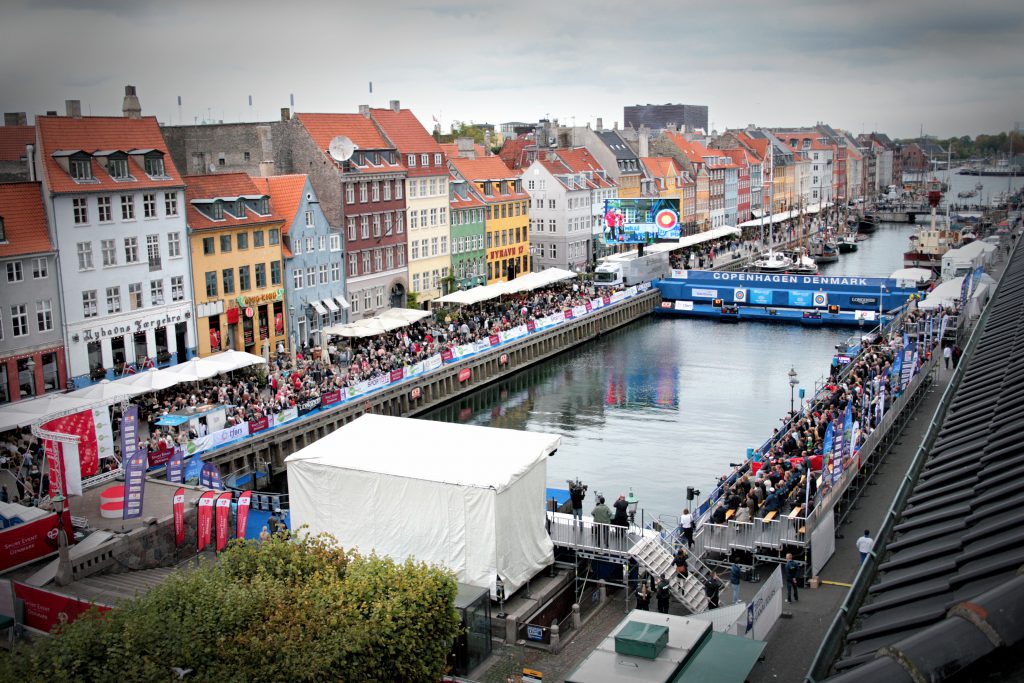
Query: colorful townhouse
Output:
(506,214)
(314,260)
(426,200)
(468,234)
(116,210)
(235,237)
(602,188)
(32,360)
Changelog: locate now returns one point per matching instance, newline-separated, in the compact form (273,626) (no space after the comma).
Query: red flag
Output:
(178,508)
(55,462)
(205,518)
(242,514)
(223,515)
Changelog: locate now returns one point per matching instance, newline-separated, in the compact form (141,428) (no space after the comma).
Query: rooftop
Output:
(228,187)
(24,220)
(13,140)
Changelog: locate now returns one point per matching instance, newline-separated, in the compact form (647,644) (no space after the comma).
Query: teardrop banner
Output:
(223,517)
(205,519)
(242,513)
(178,510)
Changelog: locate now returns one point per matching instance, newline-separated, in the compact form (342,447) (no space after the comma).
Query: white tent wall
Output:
(519,514)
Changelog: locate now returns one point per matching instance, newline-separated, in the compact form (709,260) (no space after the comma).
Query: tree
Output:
(412,300)
(297,610)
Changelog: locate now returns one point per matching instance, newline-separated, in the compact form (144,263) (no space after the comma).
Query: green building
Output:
(469,260)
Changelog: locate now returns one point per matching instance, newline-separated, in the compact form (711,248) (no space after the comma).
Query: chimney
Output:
(600,123)
(615,125)
(73,108)
(364,110)
(131,107)
(465,148)
(15,118)
(266,169)
(395,106)
(643,143)
(51,112)
(286,114)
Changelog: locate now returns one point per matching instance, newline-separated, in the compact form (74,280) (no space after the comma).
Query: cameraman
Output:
(577,492)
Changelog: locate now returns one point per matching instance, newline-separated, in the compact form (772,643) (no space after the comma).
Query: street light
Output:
(793,381)
(631,503)
(63,576)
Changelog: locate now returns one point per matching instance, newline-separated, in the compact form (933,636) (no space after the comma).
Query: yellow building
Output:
(506,214)
(237,274)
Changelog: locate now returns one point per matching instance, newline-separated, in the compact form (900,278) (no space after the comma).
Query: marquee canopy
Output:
(524,283)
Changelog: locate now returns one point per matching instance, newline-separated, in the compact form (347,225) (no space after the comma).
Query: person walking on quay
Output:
(865,544)
(790,575)
(664,595)
(957,352)
(643,597)
(602,518)
(686,524)
(734,581)
(947,355)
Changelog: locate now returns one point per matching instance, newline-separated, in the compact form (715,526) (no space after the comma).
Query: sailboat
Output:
(771,262)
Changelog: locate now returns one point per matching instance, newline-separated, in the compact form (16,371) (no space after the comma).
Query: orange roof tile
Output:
(325,127)
(25,230)
(94,133)
(285,195)
(224,185)
(580,159)
(487,168)
(13,140)
(405,131)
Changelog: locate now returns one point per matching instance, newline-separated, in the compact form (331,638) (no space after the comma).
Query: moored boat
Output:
(867,224)
(771,262)
(847,244)
(824,250)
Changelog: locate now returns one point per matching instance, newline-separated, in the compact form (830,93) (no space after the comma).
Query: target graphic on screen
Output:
(739,295)
(666,219)
(820,299)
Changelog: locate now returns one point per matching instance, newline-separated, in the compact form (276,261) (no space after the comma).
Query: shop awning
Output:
(331,306)
(342,302)
(318,307)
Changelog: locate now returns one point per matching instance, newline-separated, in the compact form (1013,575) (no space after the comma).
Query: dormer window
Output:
(155,166)
(371,158)
(238,208)
(262,206)
(217,211)
(117,167)
(424,160)
(437,159)
(80,167)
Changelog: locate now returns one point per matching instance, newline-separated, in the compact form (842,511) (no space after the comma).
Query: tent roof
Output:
(523,283)
(25,412)
(483,457)
(786,215)
(391,319)
(944,294)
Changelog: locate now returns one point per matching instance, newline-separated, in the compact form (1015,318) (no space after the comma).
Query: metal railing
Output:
(582,534)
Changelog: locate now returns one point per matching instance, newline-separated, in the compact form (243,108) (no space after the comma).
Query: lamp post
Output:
(631,503)
(63,577)
(793,381)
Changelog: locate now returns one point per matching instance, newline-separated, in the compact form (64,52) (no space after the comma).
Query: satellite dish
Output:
(341,148)
(212,168)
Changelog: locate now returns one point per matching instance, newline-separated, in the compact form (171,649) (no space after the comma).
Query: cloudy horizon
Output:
(899,68)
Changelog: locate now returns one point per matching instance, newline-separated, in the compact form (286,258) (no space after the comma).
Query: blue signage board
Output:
(762,297)
(799,298)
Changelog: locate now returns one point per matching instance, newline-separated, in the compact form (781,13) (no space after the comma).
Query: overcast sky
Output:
(953,67)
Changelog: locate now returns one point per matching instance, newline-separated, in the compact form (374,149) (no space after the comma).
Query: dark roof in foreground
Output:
(948,596)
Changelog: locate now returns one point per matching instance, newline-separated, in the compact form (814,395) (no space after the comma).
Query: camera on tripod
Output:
(577,487)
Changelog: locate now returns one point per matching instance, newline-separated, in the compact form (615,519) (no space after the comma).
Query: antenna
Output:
(341,148)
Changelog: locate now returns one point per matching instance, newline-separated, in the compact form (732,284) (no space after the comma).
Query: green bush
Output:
(280,610)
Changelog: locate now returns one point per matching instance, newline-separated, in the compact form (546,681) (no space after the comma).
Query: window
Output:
(297,278)
(355,301)
(244,275)
(444,244)
(173,244)
(309,219)
(387,191)
(257,239)
(44,315)
(108,249)
(362,192)
(444,215)
(366,261)
(351,229)
(415,282)
(378,262)
(412,160)
(211,283)
(131,249)
(297,246)
(350,193)
(424,160)
(335,242)
(336,271)
(178,288)
(433,246)
(437,159)
(227,277)
(275,272)
(89,309)
(310,245)
(414,220)
(153,251)
(415,253)
(275,235)
(170,201)
(149,205)
(401,257)
(398,189)
(40,269)
(242,239)
(225,244)
(80,205)
(80,169)
(84,257)
(156,292)
(19,320)
(375,191)
(261,275)
(376,225)
(135,296)
(389,257)
(311,277)
(364,227)
(433,216)
(103,209)
(353,264)
(154,166)
(208,248)
(15,272)
(113,299)
(127,207)
(323,274)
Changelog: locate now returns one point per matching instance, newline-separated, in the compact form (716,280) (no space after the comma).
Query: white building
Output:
(116,209)
(560,214)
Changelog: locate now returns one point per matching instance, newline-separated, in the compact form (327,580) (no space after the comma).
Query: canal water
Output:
(663,404)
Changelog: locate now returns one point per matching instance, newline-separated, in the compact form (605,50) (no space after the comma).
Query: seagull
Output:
(181,672)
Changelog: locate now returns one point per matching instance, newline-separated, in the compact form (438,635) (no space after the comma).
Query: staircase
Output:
(651,554)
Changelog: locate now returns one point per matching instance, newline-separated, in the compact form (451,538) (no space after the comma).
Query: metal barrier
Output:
(588,535)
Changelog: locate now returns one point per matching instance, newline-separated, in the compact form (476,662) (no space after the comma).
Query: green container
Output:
(637,639)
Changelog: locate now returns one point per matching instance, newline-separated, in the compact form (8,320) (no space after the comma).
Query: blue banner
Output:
(194,469)
(965,288)
(826,445)
(798,298)
(135,483)
(129,431)
(978,272)
(176,467)
(907,363)
(761,297)
(837,453)
(210,477)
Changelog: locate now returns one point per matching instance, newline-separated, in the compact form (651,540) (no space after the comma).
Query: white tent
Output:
(469,498)
(227,361)
(107,389)
(945,294)
(25,412)
(391,319)
(912,277)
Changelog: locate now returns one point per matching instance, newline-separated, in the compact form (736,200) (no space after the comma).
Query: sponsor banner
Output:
(432,363)
(55,464)
(176,467)
(864,300)
(684,305)
(567,313)
(308,406)
(556,318)
(85,453)
(503,359)
(465,374)
(193,470)
(588,306)
(27,542)
(631,291)
(494,340)
(766,607)
(578,311)
(415,394)
(242,513)
(597,303)
(483,345)
(45,609)
(160,457)
(616,297)
(223,508)
(799,298)
(134,483)
(446,355)
(530,325)
(205,519)
(329,398)
(210,477)
(259,425)
(104,433)
(397,374)
(606,300)
(230,434)
(178,510)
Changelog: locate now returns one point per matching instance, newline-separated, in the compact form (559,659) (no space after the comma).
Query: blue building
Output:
(732,179)
(314,260)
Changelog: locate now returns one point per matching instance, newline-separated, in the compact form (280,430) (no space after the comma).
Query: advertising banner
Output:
(205,519)
(567,313)
(242,513)
(45,609)
(330,398)
(223,517)
(432,363)
(494,340)
(397,374)
(134,484)
(286,415)
(258,425)
(308,406)
(765,608)
(28,542)
(104,433)
(641,220)
(193,470)
(160,457)
(55,463)
(446,355)
(81,459)
(178,510)
(210,477)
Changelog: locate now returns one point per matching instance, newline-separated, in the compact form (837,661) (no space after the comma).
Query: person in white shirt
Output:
(864,544)
(686,524)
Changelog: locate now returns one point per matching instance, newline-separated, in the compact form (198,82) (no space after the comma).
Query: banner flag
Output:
(242,513)
(210,477)
(205,519)
(129,431)
(176,467)
(85,450)
(134,484)
(104,432)
(223,516)
(55,463)
(193,470)
(178,508)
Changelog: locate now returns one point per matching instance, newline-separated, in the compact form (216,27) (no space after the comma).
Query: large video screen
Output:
(640,221)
